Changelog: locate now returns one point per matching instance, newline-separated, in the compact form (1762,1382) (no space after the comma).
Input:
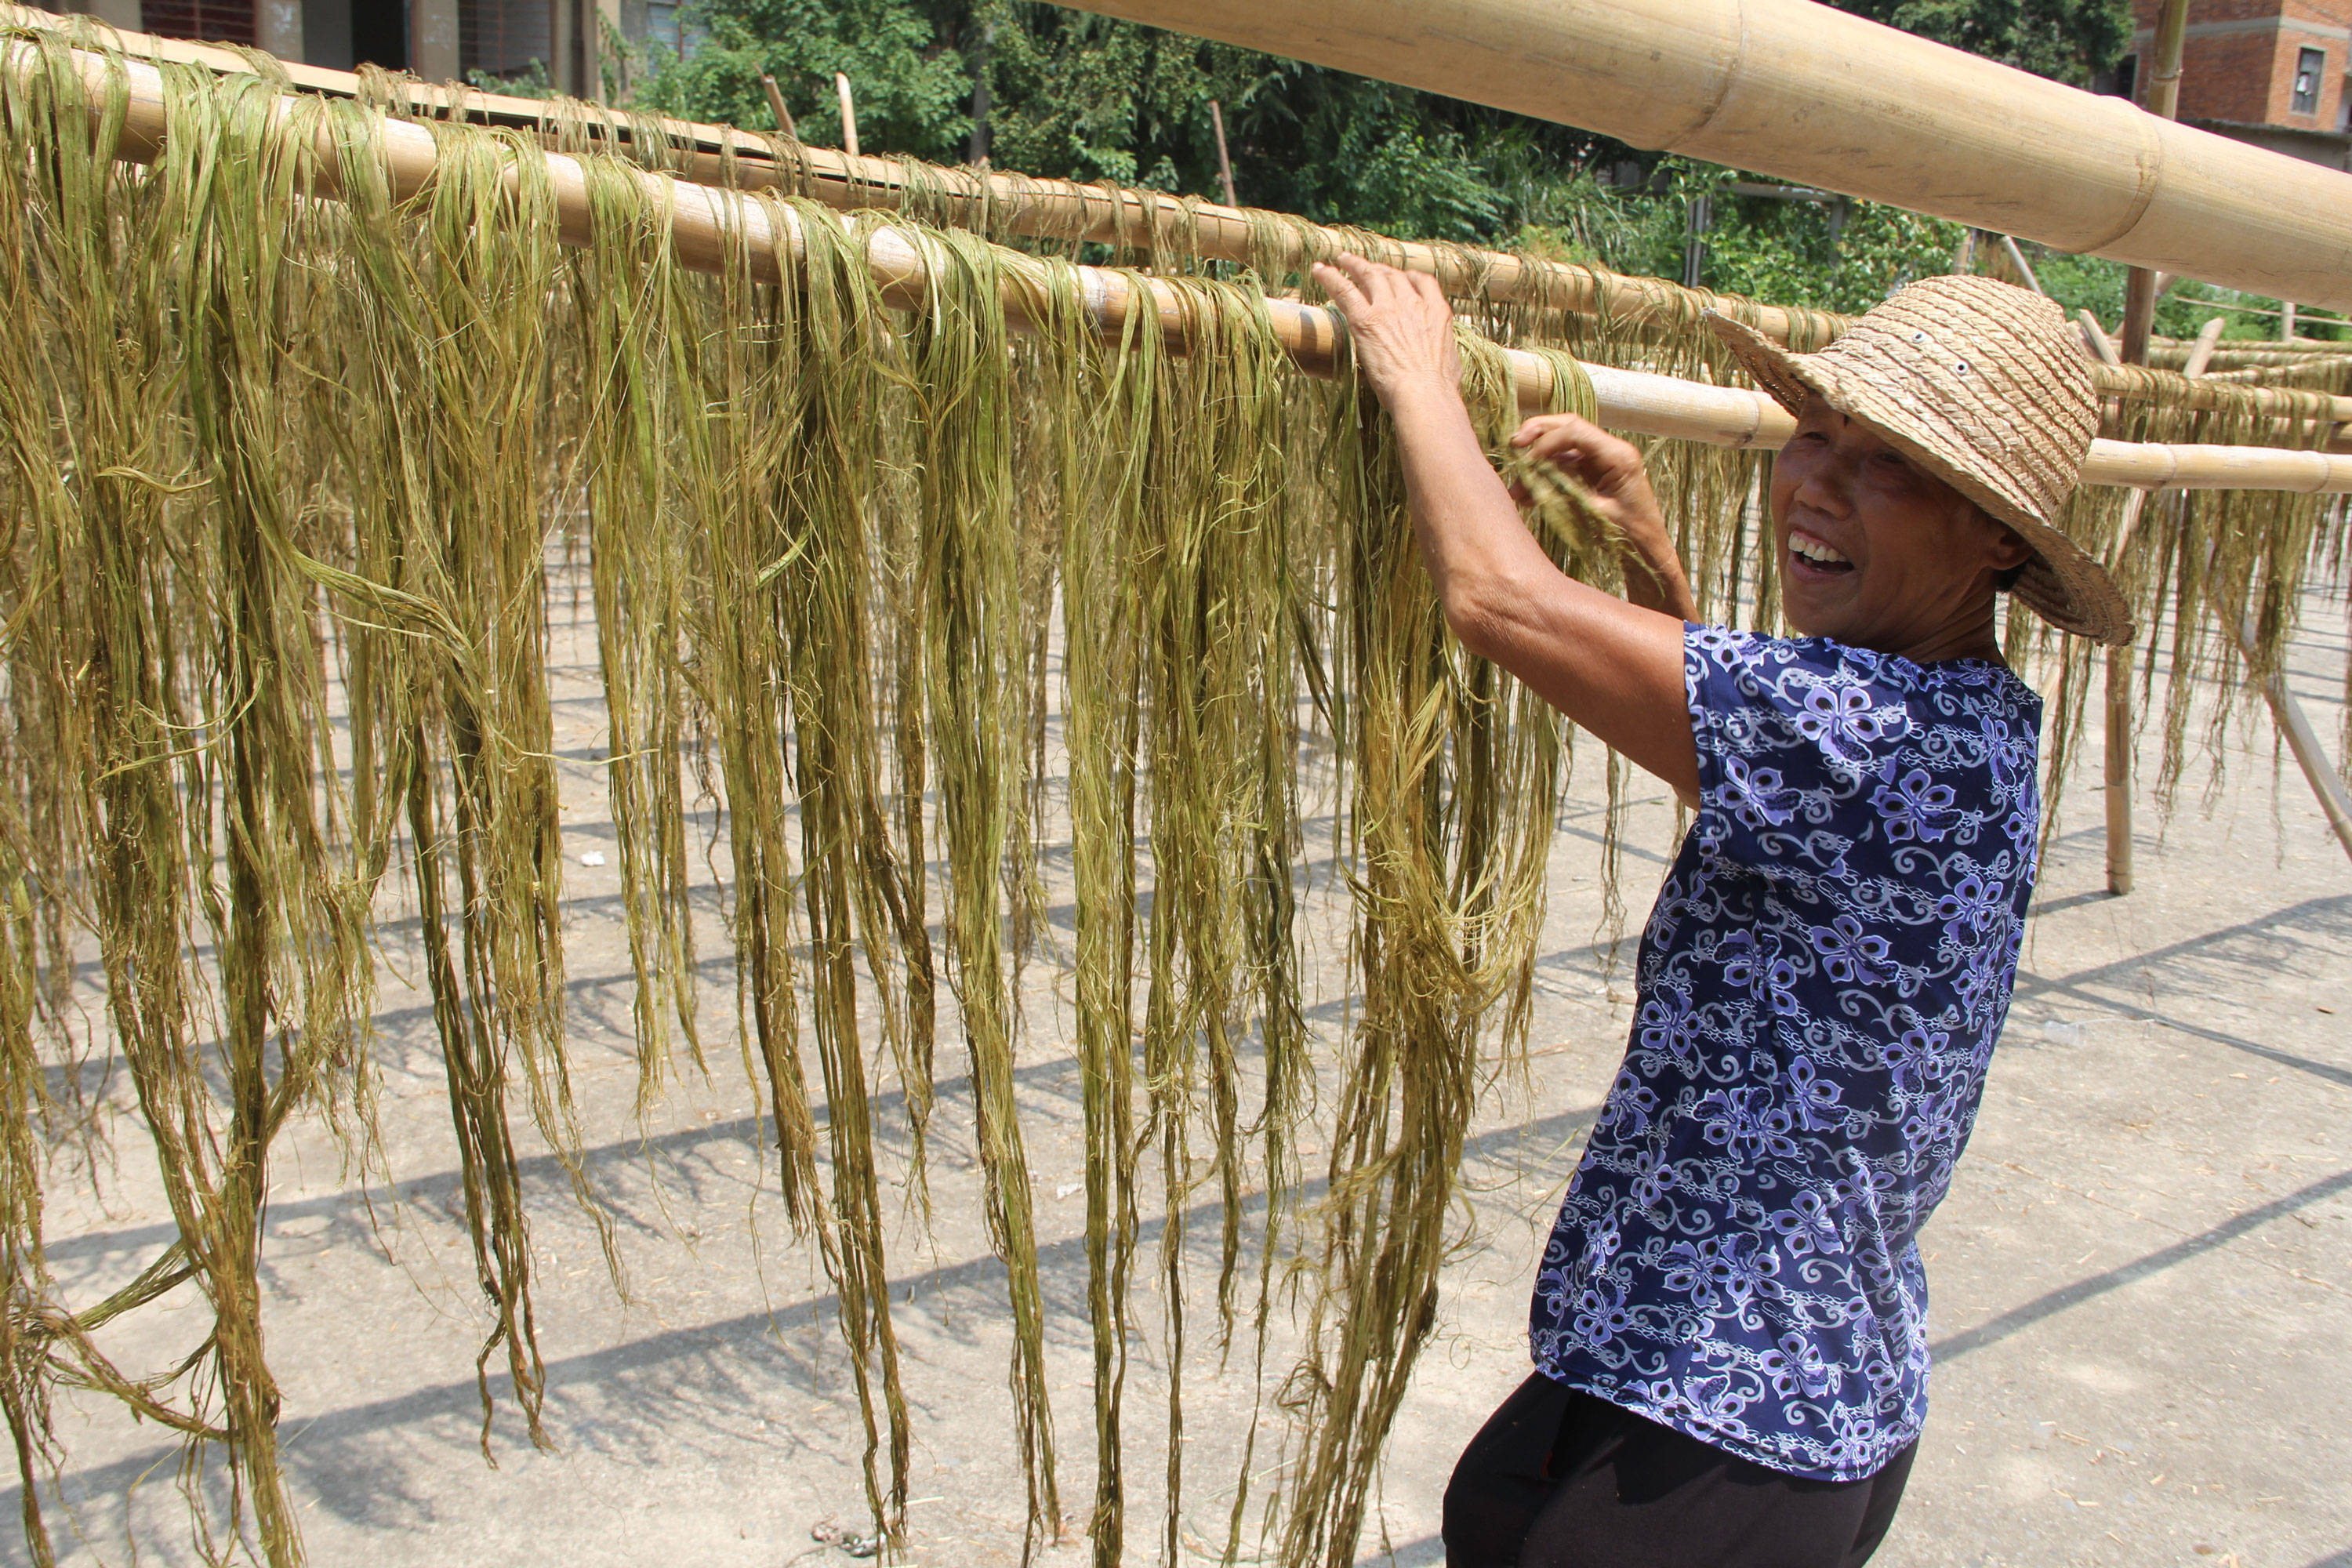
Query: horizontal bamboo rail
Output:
(1803,93)
(1067,209)
(1017,204)
(707,222)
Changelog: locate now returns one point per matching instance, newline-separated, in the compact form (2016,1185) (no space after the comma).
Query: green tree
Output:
(1071,95)
(912,86)
(2071,41)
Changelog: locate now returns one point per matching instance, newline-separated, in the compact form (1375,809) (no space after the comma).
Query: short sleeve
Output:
(1796,738)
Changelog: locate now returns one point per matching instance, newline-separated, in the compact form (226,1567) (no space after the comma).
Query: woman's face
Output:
(1875,553)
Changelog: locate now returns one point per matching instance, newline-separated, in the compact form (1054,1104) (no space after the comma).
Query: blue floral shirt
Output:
(1821,985)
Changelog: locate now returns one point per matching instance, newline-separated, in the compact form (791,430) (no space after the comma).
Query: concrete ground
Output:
(2143,1277)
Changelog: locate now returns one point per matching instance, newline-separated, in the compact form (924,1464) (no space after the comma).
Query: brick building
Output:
(2271,72)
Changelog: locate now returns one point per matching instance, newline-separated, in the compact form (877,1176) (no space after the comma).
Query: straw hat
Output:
(1985,387)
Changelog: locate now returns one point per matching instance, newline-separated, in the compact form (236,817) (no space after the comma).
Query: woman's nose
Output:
(1826,484)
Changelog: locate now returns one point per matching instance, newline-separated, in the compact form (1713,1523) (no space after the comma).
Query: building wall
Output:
(2239,61)
(123,14)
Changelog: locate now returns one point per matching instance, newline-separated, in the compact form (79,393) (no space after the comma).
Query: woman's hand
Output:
(1613,472)
(1614,667)
(1399,325)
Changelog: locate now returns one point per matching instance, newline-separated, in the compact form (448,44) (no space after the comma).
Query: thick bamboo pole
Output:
(707,221)
(1812,95)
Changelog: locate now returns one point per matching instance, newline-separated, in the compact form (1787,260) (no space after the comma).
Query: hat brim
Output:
(2061,581)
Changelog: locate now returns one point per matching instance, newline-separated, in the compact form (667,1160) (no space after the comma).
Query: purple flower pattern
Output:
(1821,982)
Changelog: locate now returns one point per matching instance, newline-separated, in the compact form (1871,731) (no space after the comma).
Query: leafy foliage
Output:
(1083,97)
(912,90)
(1067,94)
(2068,41)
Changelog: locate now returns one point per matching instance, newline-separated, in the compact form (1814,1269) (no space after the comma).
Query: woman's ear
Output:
(2007,548)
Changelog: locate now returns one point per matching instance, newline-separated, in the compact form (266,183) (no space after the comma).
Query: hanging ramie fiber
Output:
(905,596)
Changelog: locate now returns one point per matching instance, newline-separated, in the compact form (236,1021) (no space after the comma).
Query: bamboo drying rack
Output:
(707,222)
(1073,210)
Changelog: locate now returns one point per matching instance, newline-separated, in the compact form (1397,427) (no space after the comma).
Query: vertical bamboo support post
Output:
(848,113)
(1224,162)
(2164,102)
(2139,320)
(776,107)
(2119,780)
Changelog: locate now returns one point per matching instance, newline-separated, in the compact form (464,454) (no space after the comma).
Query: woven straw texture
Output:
(1987,387)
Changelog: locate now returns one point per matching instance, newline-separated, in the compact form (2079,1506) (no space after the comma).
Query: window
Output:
(214,21)
(662,26)
(2128,77)
(2309,64)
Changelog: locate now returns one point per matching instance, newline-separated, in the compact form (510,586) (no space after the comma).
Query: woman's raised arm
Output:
(1614,667)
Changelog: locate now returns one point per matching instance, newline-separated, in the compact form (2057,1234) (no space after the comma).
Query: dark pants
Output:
(1562,1479)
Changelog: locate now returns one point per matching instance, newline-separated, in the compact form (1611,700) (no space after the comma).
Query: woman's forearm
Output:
(1472,542)
(1654,579)
(1612,666)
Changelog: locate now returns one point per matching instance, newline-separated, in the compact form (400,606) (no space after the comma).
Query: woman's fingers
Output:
(1570,441)
(1339,284)
(1399,331)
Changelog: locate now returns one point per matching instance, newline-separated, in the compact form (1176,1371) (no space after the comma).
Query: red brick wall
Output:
(2247,74)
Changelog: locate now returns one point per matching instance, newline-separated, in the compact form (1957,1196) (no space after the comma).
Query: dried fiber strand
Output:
(958,355)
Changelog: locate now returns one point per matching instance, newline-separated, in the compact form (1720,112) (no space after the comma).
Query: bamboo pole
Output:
(2017,259)
(1224,160)
(2256,373)
(2096,337)
(776,107)
(2118,782)
(848,112)
(1066,210)
(2200,353)
(705,219)
(2140,288)
(2334,803)
(1803,93)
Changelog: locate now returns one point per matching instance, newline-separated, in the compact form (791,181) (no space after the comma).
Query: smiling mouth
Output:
(1810,556)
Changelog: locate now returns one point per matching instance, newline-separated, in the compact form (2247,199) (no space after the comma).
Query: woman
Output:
(1728,1324)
